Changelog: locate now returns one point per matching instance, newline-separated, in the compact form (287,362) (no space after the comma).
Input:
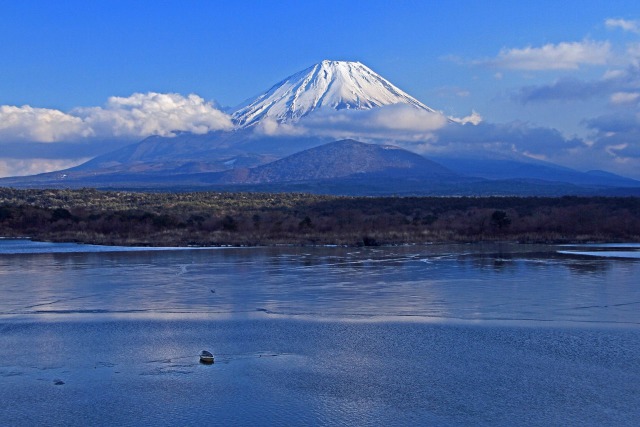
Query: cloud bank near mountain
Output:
(137,116)
(612,140)
(392,122)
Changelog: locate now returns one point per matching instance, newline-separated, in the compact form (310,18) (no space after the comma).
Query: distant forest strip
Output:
(214,219)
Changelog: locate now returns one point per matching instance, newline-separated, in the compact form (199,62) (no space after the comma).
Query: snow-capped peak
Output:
(329,84)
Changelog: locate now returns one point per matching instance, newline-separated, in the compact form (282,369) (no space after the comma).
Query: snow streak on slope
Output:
(336,85)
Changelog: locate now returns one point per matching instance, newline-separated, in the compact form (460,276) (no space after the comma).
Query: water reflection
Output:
(425,283)
(587,267)
(499,261)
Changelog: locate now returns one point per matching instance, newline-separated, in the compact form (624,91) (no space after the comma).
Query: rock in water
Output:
(206,357)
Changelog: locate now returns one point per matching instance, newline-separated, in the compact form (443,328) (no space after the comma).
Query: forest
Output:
(254,219)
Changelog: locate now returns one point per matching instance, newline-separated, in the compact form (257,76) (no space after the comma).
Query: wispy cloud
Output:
(452,92)
(624,98)
(565,89)
(571,89)
(486,139)
(139,115)
(623,24)
(561,56)
(617,136)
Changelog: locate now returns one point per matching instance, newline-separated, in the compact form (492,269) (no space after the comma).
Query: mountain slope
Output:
(329,84)
(338,160)
(530,169)
(221,150)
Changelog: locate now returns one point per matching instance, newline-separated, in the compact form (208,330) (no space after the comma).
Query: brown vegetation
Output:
(206,218)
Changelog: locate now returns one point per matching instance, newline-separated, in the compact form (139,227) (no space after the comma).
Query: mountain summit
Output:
(336,85)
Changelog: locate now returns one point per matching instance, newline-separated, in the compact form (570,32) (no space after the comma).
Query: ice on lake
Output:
(605,250)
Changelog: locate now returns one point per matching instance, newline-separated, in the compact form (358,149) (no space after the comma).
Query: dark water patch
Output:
(10,373)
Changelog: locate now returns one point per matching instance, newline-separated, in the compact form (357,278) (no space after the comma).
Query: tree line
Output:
(210,218)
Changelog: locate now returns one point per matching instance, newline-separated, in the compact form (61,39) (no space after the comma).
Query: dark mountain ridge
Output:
(339,159)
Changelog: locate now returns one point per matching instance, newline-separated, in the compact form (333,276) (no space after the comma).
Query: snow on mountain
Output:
(336,85)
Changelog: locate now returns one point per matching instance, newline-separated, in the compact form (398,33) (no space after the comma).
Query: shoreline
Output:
(133,245)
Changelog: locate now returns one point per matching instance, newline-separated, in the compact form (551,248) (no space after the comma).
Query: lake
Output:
(495,334)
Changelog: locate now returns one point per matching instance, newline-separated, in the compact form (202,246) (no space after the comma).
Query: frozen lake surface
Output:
(440,335)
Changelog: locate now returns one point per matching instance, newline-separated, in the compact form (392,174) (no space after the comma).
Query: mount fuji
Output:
(336,85)
(325,86)
(292,161)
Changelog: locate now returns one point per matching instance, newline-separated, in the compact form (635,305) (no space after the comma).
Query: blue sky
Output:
(569,67)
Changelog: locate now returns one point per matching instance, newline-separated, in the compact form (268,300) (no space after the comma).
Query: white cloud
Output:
(22,167)
(270,127)
(153,113)
(405,118)
(474,118)
(614,74)
(391,122)
(39,124)
(138,115)
(624,98)
(624,24)
(561,56)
